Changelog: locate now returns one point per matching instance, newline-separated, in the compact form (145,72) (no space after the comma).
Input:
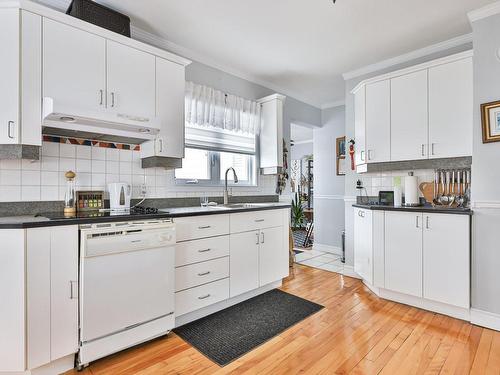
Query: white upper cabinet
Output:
(20,77)
(359,125)
(378,122)
(409,116)
(74,67)
(131,81)
(271,134)
(451,109)
(421,112)
(170,94)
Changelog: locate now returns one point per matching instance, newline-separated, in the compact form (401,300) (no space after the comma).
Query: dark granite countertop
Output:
(58,218)
(428,208)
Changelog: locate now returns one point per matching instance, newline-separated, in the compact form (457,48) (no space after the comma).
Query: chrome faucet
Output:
(226,192)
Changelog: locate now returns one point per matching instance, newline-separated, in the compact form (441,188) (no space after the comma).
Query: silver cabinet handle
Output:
(361,214)
(417,223)
(204,273)
(112,99)
(10,126)
(101,93)
(362,157)
(432,149)
(423,150)
(259,220)
(71,288)
(204,250)
(204,297)
(262,237)
(427,222)
(205,227)
(160,142)
(257,234)
(370,154)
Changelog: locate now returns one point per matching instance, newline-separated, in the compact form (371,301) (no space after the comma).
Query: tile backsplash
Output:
(43,180)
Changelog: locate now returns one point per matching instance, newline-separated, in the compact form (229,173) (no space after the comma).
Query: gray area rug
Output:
(228,334)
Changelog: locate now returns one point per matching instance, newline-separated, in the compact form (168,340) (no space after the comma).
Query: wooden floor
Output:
(357,333)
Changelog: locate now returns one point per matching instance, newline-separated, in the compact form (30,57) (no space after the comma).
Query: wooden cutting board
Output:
(427,189)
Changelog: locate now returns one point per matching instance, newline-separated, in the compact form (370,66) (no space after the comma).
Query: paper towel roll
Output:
(411,190)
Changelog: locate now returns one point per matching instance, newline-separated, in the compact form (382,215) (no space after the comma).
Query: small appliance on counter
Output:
(411,191)
(119,196)
(386,198)
(89,200)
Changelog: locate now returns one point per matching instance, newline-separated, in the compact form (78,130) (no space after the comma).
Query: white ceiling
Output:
(300,47)
(301,133)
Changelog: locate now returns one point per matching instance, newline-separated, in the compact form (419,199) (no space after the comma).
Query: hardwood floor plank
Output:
(356,333)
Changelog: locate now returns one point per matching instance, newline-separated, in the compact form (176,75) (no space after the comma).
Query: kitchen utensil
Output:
(451,192)
(435,198)
(427,189)
(460,196)
(443,198)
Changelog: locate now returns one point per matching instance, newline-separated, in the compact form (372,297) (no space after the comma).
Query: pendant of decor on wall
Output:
(283,176)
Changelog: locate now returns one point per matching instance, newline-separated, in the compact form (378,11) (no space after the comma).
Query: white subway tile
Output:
(112,154)
(67,150)
(83,165)
(10,164)
(50,178)
(138,180)
(126,178)
(126,155)
(83,180)
(136,156)
(30,165)
(112,167)
(10,193)
(67,164)
(137,168)
(98,180)
(50,163)
(98,166)
(49,193)
(10,177)
(83,152)
(98,153)
(30,193)
(50,149)
(161,181)
(126,167)
(111,178)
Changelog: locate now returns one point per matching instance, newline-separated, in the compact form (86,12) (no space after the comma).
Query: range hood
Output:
(59,120)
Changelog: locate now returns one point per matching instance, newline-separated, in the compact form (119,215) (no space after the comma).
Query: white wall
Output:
(328,187)
(486,171)
(300,151)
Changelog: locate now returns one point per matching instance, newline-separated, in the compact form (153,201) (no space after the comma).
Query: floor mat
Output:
(228,334)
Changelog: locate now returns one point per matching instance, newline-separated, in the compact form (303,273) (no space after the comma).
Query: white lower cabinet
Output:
(52,294)
(363,244)
(244,262)
(403,252)
(446,258)
(193,299)
(273,256)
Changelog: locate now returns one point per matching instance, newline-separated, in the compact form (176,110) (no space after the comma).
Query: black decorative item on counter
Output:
(100,15)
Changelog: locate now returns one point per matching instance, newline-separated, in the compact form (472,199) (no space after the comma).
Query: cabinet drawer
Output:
(196,251)
(248,221)
(192,228)
(202,296)
(201,273)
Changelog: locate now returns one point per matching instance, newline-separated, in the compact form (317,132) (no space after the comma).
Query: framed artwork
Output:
(340,152)
(490,114)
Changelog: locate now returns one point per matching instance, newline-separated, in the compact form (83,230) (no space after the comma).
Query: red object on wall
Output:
(351,152)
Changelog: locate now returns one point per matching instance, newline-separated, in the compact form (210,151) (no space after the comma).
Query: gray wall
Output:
(351,177)
(301,150)
(486,171)
(295,111)
(328,187)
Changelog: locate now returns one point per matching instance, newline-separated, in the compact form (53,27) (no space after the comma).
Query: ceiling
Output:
(299,47)
(301,133)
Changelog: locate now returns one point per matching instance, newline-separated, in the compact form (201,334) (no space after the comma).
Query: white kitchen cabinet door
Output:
(271,134)
(38,296)
(409,117)
(363,244)
(359,125)
(131,81)
(9,76)
(64,291)
(244,262)
(451,109)
(447,259)
(378,122)
(170,95)
(74,67)
(273,256)
(403,252)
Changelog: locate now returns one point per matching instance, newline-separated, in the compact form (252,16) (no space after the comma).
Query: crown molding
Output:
(156,41)
(422,52)
(338,103)
(484,12)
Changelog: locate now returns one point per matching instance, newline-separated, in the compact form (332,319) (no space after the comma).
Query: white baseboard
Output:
(349,271)
(327,248)
(485,319)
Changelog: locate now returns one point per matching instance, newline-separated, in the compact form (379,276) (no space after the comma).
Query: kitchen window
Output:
(221,132)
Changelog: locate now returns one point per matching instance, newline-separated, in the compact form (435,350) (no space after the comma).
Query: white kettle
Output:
(119,196)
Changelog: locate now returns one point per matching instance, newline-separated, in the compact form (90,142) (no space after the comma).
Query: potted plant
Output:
(298,216)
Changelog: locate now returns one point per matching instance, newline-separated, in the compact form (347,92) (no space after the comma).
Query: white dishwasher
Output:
(127,294)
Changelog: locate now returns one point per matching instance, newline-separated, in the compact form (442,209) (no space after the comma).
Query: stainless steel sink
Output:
(239,205)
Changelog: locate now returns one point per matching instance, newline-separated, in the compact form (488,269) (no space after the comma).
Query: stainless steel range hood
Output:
(99,125)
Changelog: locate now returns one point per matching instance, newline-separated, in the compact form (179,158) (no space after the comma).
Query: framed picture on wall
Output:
(340,153)
(490,113)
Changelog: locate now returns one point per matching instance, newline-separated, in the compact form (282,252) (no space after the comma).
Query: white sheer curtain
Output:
(207,107)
